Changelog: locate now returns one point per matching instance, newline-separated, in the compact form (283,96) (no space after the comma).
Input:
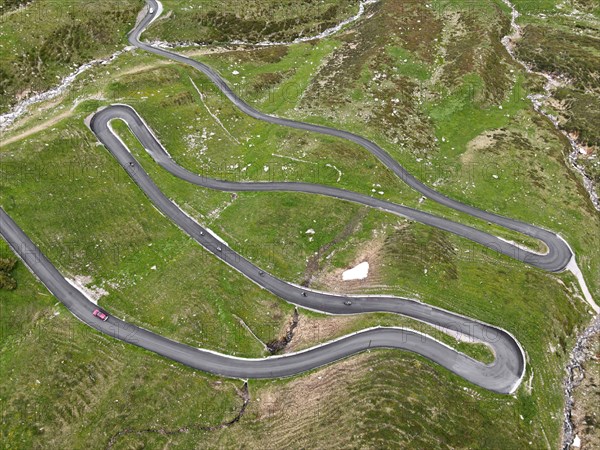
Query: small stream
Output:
(7,119)
(326,33)
(578,356)
(538,101)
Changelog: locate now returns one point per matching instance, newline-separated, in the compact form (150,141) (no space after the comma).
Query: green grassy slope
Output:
(414,90)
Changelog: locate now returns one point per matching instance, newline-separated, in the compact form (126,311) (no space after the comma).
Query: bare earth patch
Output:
(305,396)
(42,126)
(481,142)
(310,331)
(372,253)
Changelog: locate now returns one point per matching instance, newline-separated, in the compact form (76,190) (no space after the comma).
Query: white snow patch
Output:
(359,272)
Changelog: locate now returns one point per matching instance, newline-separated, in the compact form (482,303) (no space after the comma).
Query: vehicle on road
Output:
(151,10)
(347,303)
(219,249)
(100,315)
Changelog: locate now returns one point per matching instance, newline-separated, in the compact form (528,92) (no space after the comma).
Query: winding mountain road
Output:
(503,375)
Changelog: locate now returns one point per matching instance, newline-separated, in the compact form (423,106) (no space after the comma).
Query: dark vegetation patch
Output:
(36,54)
(250,21)
(573,55)
(583,115)
(474,46)
(358,55)
(386,81)
(368,79)
(7,282)
(401,113)
(589,6)
(265,81)
(555,51)
(10,5)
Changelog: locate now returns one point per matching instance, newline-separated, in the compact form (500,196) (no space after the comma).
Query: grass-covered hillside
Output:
(45,40)
(429,82)
(225,21)
(565,43)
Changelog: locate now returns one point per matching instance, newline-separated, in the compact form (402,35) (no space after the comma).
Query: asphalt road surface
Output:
(503,375)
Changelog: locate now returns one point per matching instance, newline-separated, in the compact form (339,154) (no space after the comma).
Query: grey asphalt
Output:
(502,376)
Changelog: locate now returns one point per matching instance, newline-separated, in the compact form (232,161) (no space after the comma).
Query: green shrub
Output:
(7,282)
(6,266)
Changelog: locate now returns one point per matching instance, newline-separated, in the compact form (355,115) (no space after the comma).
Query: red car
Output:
(100,315)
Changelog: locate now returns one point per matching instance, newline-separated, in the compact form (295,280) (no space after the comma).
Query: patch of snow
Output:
(359,272)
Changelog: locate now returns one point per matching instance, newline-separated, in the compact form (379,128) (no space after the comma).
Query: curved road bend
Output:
(555,259)
(560,254)
(503,375)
